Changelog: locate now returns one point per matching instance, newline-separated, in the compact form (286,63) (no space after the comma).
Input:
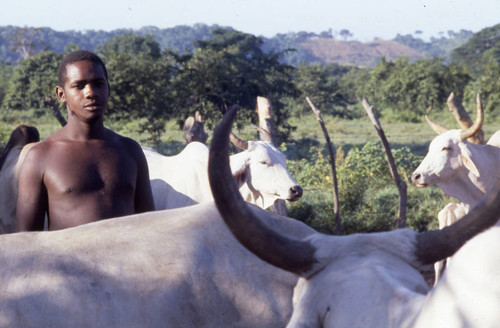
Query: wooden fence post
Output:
(400,184)
(331,151)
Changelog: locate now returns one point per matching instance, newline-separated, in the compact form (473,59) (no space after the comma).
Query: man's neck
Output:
(82,131)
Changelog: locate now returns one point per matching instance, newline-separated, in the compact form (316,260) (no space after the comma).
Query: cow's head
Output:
(449,154)
(262,167)
(21,136)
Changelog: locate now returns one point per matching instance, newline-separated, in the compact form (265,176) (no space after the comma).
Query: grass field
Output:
(345,133)
(375,209)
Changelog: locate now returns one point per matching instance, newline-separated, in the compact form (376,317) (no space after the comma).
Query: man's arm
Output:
(32,194)
(143,195)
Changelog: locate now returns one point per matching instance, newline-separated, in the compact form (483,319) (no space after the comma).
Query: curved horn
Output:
(265,134)
(437,245)
(240,143)
(436,126)
(467,133)
(288,254)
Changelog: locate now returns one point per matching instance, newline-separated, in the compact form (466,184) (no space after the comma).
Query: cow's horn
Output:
(288,254)
(240,143)
(437,245)
(474,128)
(436,126)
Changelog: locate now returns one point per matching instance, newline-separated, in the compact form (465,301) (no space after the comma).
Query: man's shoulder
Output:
(46,144)
(124,142)
(115,137)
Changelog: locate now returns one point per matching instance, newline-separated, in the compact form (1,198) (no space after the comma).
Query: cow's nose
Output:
(295,193)
(415,177)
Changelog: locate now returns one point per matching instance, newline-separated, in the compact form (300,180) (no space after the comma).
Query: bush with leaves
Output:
(369,200)
(5,75)
(488,86)
(139,77)
(32,80)
(404,90)
(231,68)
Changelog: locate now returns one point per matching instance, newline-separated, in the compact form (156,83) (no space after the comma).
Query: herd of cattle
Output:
(207,258)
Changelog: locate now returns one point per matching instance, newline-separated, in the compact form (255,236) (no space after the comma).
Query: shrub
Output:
(369,199)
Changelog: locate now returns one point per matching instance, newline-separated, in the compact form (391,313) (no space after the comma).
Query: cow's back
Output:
(179,180)
(174,268)
(8,192)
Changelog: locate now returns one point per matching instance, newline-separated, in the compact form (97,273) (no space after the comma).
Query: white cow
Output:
(171,268)
(462,169)
(182,180)
(21,136)
(374,280)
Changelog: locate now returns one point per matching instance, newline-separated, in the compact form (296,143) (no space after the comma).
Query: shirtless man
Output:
(83,172)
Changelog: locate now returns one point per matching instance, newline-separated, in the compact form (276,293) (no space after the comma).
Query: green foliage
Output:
(32,80)
(436,47)
(5,76)
(232,69)
(475,53)
(132,45)
(406,90)
(488,86)
(369,200)
(139,78)
(321,83)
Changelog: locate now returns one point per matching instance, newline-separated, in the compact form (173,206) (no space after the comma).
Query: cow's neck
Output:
(469,188)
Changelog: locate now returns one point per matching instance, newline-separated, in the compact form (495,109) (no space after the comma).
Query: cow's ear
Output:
(467,160)
(241,176)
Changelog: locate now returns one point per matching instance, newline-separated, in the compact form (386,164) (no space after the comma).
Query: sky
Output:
(365,19)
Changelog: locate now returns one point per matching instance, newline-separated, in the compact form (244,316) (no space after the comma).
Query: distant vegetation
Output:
(180,39)
(159,77)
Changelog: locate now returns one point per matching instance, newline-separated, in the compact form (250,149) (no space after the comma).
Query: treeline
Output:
(151,84)
(17,43)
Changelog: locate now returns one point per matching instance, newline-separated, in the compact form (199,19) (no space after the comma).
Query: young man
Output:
(83,172)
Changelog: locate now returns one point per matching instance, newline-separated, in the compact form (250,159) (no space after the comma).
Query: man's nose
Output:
(88,91)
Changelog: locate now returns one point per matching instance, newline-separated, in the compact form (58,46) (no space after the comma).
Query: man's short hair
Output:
(76,56)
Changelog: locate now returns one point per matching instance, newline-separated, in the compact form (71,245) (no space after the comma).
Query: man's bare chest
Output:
(82,171)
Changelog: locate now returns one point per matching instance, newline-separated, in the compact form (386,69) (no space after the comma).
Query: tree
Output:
(26,41)
(132,44)
(231,68)
(408,89)
(488,86)
(472,52)
(346,34)
(139,78)
(32,80)
(321,83)
(5,76)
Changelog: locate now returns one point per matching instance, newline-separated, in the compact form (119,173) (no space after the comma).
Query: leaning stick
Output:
(51,103)
(332,164)
(400,184)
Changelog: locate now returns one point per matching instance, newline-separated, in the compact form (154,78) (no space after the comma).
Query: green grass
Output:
(378,207)
(345,133)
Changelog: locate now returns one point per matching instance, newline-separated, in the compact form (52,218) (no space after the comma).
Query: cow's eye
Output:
(446,149)
(264,163)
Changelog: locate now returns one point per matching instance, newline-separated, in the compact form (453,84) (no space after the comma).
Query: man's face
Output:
(86,90)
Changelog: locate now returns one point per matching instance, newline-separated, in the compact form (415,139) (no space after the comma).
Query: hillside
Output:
(357,53)
(308,47)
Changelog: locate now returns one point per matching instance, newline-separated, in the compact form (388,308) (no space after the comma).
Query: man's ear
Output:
(60,94)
